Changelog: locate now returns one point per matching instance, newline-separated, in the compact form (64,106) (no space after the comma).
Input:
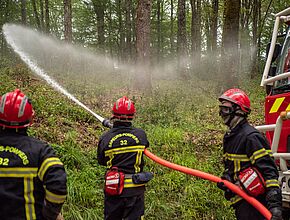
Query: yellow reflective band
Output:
(18,172)
(273,182)
(276,105)
(29,199)
(54,198)
(46,164)
(258,154)
(138,162)
(128,183)
(124,150)
(270,152)
(239,157)
(237,166)
(235,199)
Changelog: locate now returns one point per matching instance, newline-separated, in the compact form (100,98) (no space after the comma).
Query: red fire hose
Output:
(265,212)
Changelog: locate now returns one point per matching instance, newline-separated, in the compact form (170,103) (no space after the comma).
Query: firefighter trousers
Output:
(245,211)
(124,208)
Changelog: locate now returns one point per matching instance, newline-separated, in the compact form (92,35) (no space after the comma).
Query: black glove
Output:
(276,213)
(228,193)
(274,203)
(143,177)
(50,211)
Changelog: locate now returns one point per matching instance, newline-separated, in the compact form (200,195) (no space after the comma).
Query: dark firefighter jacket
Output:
(245,146)
(32,178)
(123,147)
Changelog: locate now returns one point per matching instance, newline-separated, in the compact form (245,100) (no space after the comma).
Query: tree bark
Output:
(171,27)
(215,8)
(23,12)
(47,17)
(230,43)
(121,29)
(128,24)
(182,40)
(67,20)
(41,14)
(254,69)
(99,8)
(35,12)
(143,77)
(195,32)
(158,30)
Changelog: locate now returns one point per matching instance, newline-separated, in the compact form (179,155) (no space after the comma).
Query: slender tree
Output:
(47,17)
(231,42)
(99,8)
(143,78)
(195,31)
(41,14)
(35,12)
(121,30)
(181,39)
(214,24)
(128,25)
(171,26)
(67,20)
(23,12)
(245,47)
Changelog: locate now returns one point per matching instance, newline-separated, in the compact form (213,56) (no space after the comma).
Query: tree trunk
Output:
(158,30)
(47,17)
(128,24)
(171,27)
(143,79)
(35,12)
(99,9)
(195,33)
(67,20)
(230,43)
(121,29)
(254,69)
(23,12)
(41,14)
(245,47)
(215,8)
(181,39)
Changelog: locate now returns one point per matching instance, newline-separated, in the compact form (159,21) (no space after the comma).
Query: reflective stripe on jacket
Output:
(30,173)
(123,147)
(245,146)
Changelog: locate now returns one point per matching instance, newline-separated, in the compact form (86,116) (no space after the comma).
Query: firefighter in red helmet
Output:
(32,178)
(248,160)
(121,151)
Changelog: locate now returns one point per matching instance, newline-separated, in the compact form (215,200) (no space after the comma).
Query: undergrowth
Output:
(182,123)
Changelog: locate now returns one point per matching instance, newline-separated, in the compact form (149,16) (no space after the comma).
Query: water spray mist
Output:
(40,72)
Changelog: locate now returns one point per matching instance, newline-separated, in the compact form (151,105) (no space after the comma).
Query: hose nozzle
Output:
(107,123)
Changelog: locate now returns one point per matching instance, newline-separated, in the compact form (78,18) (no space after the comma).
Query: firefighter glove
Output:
(274,203)
(143,177)
(227,192)
(276,213)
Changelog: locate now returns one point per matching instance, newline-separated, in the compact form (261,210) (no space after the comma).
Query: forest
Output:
(173,58)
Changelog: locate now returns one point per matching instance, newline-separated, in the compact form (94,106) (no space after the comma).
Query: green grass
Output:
(183,127)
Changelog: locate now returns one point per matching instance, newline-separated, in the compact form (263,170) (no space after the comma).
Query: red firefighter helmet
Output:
(15,110)
(238,97)
(123,109)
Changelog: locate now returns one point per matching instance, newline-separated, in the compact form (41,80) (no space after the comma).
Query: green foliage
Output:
(183,127)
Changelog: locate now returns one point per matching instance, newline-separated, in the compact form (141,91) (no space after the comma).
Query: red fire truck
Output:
(276,80)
